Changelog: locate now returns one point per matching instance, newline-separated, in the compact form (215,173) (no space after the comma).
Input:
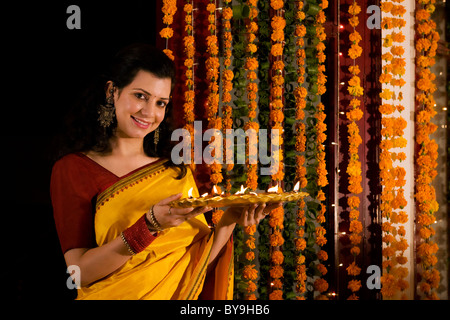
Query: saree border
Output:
(131,180)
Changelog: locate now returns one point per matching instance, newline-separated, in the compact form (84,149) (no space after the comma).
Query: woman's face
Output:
(141,105)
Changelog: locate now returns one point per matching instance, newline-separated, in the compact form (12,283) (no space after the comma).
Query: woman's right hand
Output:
(169,217)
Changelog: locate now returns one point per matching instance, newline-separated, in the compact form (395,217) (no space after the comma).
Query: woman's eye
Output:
(162,104)
(141,96)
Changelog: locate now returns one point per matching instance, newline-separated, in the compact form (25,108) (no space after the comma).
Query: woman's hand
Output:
(169,217)
(248,215)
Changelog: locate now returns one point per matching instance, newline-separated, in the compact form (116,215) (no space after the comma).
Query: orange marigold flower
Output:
(320,285)
(249,272)
(354,9)
(353,269)
(166,33)
(276,4)
(277,49)
(250,256)
(354,285)
(276,295)
(322,255)
(277,257)
(276,272)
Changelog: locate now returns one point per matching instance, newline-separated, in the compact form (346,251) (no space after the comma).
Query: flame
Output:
(242,190)
(297,186)
(190,192)
(273,189)
(215,190)
(204,195)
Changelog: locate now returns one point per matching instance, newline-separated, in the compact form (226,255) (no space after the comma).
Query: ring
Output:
(170,208)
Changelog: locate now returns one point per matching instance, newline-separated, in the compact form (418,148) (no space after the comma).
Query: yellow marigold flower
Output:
(353,21)
(354,9)
(355,51)
(354,69)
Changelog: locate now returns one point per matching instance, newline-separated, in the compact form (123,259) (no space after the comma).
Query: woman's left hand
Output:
(248,215)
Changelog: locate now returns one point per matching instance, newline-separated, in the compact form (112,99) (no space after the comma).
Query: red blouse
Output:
(75,183)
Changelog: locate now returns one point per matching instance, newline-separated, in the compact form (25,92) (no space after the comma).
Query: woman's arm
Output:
(97,263)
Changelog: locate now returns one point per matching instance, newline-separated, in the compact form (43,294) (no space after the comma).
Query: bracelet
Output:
(137,237)
(127,244)
(154,224)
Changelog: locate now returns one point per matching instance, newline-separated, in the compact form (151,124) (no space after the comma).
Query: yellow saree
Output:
(174,265)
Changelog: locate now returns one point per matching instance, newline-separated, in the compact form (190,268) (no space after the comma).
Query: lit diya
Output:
(239,198)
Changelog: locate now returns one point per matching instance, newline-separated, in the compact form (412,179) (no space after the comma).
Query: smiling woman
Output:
(112,189)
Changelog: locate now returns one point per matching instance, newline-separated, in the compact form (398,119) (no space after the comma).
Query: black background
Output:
(45,66)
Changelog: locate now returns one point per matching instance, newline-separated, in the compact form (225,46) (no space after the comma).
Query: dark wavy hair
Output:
(82,131)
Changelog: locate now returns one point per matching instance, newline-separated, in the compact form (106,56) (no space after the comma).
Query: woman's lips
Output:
(141,123)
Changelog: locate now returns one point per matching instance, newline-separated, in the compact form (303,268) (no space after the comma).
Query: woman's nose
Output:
(148,110)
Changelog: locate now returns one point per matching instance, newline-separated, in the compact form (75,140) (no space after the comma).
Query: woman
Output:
(111,195)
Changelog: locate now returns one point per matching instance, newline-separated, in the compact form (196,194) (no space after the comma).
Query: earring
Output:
(156,137)
(106,112)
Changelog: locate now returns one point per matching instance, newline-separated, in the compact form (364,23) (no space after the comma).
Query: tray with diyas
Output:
(238,199)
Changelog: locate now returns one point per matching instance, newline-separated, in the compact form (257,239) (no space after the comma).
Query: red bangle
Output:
(138,237)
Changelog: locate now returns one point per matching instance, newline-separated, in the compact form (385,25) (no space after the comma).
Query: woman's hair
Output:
(83,133)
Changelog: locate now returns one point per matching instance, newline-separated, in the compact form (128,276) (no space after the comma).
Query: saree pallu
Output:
(175,264)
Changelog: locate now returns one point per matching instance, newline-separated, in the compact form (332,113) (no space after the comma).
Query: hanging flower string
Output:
(212,76)
(354,139)
(276,115)
(189,94)
(320,284)
(391,173)
(227,86)
(169,8)
(425,196)
(251,67)
(300,94)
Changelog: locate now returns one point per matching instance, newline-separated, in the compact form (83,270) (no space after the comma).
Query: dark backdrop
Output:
(45,67)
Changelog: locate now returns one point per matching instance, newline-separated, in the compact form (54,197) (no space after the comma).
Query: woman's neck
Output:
(127,147)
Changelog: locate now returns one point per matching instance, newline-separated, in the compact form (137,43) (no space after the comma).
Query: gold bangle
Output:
(153,222)
(127,244)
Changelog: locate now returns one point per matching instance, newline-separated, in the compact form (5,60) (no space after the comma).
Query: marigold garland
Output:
(212,76)
(227,86)
(354,139)
(300,93)
(189,94)
(251,67)
(425,195)
(169,8)
(320,284)
(276,115)
(392,177)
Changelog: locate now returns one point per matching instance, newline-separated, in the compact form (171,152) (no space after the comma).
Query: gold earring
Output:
(106,112)
(156,137)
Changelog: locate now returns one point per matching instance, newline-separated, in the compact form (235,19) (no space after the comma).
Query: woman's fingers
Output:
(168,216)
(168,200)
(255,213)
